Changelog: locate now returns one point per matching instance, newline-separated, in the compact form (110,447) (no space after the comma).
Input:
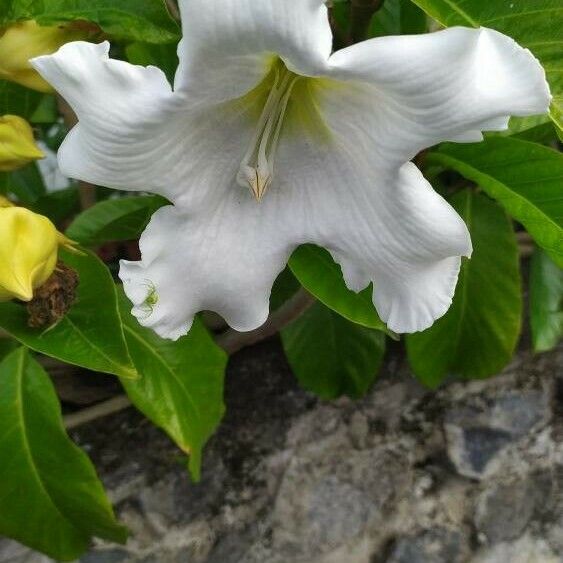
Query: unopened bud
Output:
(29,246)
(5,202)
(22,41)
(17,145)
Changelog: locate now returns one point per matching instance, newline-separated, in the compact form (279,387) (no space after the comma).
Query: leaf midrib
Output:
(118,367)
(26,444)
(449,160)
(163,362)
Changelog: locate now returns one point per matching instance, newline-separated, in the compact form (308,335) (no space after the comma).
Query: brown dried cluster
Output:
(52,301)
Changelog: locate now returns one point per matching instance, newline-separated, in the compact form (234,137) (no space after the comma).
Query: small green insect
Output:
(150,301)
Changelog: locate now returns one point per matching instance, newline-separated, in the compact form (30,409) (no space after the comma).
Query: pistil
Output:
(257,167)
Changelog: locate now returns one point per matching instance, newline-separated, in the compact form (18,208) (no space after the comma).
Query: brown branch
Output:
(111,406)
(232,341)
(86,191)
(172,6)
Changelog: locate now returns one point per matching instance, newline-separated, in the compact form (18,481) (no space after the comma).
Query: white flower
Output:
(268,141)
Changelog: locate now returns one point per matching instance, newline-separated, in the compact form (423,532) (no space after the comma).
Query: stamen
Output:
(257,167)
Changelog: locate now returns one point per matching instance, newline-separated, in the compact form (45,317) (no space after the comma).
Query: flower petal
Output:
(225,260)
(123,113)
(227,45)
(449,85)
(381,222)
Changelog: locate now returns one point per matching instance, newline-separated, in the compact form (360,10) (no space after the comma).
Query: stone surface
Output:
(470,473)
(437,545)
(504,510)
(479,431)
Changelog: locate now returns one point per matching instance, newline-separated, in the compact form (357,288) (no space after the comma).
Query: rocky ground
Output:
(471,473)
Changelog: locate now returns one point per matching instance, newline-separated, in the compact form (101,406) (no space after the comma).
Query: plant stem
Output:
(111,406)
(172,6)
(361,13)
(232,341)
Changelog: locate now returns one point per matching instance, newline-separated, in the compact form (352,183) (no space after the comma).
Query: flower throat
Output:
(257,167)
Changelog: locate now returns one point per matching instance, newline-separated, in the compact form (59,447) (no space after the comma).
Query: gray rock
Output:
(480,430)
(327,499)
(288,479)
(527,549)
(105,556)
(437,545)
(504,510)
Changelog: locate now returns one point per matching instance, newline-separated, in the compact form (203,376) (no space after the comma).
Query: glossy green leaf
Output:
(546,302)
(535,24)
(147,21)
(165,57)
(114,219)
(17,100)
(26,184)
(7,345)
(525,178)
(285,286)
(181,383)
(91,334)
(413,19)
(536,129)
(52,499)
(58,205)
(397,17)
(320,275)
(331,356)
(478,335)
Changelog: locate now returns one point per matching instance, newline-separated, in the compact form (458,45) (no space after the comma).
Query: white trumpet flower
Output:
(268,140)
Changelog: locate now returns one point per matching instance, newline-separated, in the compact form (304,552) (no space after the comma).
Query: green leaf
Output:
(7,345)
(165,57)
(284,288)
(130,20)
(320,275)
(26,184)
(17,100)
(387,20)
(395,17)
(91,334)
(413,19)
(52,499)
(546,302)
(58,205)
(536,129)
(525,178)
(181,383)
(331,356)
(477,336)
(398,17)
(535,24)
(114,219)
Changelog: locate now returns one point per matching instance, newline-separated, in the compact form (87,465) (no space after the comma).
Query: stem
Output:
(361,13)
(111,406)
(232,341)
(172,6)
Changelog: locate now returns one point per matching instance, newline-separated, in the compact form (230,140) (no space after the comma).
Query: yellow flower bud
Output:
(25,40)
(4,202)
(17,145)
(28,253)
